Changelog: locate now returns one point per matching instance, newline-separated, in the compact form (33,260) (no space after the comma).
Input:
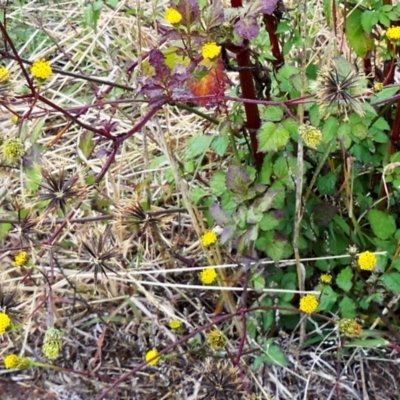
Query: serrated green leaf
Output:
(392,282)
(198,145)
(384,94)
(268,222)
(220,144)
(327,300)
(217,183)
(273,113)
(272,137)
(381,124)
(360,41)
(344,279)
(347,308)
(330,128)
(382,224)
(266,170)
(359,131)
(197,194)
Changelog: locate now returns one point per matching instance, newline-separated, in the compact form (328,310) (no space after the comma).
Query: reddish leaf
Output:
(213,83)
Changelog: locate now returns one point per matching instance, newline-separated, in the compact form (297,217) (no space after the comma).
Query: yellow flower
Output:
(210,50)
(308,304)
(21,259)
(52,343)
(367,261)
(172,16)
(208,276)
(5,323)
(41,69)
(208,238)
(152,357)
(349,327)
(4,75)
(12,149)
(378,87)
(216,339)
(175,324)
(11,361)
(311,136)
(393,33)
(325,279)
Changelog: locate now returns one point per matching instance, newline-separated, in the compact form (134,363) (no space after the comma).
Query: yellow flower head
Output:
(52,343)
(175,324)
(4,75)
(325,279)
(216,339)
(208,238)
(393,33)
(21,259)
(311,136)
(367,261)
(12,149)
(210,50)
(11,361)
(152,357)
(41,69)
(349,327)
(378,87)
(208,276)
(308,304)
(5,323)
(173,16)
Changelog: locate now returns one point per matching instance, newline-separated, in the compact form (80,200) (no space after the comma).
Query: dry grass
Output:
(110,321)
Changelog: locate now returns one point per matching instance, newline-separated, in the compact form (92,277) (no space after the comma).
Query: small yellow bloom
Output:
(172,16)
(208,276)
(216,339)
(367,261)
(11,361)
(4,75)
(175,324)
(210,50)
(208,238)
(41,69)
(311,136)
(21,259)
(5,323)
(52,343)
(308,304)
(152,357)
(12,149)
(378,87)
(393,33)
(349,327)
(325,279)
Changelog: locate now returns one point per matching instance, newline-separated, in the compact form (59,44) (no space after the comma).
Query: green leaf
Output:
(34,177)
(273,355)
(197,194)
(329,131)
(358,39)
(217,183)
(347,308)
(327,300)
(368,343)
(4,228)
(266,170)
(37,130)
(273,113)
(392,282)
(381,124)
(344,279)
(382,224)
(271,137)
(384,94)
(268,222)
(198,145)
(368,20)
(220,144)
(86,145)
(384,20)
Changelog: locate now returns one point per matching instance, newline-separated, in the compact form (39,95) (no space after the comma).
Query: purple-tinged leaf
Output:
(263,7)
(247,27)
(227,234)
(252,217)
(237,179)
(324,213)
(267,200)
(219,215)
(189,10)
